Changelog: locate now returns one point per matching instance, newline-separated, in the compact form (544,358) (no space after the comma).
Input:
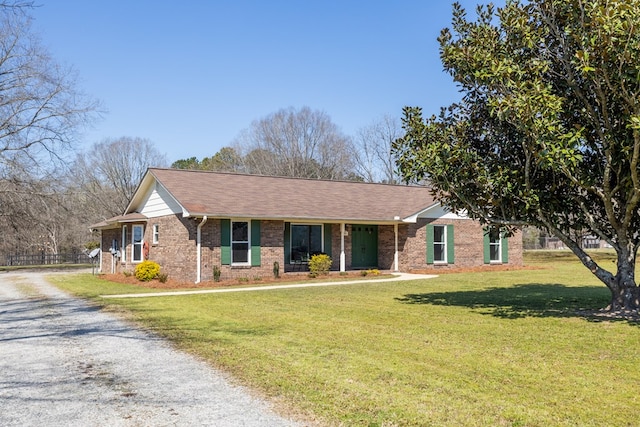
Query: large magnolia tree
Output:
(548,129)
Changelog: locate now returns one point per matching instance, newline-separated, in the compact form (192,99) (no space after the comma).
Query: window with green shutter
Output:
(255,243)
(225,241)
(240,242)
(440,244)
(496,246)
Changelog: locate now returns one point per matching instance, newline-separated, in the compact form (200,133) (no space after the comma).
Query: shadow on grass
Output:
(521,300)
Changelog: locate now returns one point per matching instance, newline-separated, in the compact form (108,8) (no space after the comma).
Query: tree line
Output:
(305,143)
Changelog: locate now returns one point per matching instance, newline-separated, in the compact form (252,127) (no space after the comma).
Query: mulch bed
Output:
(177,284)
(290,278)
(476,269)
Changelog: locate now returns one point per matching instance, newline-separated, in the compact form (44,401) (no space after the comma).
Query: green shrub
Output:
(147,270)
(216,273)
(371,272)
(276,269)
(319,264)
(163,277)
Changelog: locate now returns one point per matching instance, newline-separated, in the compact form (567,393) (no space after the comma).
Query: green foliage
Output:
(319,264)
(276,269)
(225,160)
(370,272)
(548,130)
(216,273)
(93,244)
(163,277)
(147,270)
(190,163)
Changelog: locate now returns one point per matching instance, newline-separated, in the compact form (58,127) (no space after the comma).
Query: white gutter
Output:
(199,249)
(396,265)
(343,267)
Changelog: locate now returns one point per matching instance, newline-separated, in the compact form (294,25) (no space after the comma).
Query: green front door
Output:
(364,246)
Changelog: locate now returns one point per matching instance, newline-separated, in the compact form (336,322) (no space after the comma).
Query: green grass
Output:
(483,349)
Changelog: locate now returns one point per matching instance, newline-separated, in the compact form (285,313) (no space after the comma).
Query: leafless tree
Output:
(40,105)
(298,143)
(41,109)
(110,171)
(374,161)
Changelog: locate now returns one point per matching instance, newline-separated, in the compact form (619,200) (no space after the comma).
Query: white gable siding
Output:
(438,211)
(159,203)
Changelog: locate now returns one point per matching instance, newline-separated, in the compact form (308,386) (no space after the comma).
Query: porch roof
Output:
(116,221)
(231,195)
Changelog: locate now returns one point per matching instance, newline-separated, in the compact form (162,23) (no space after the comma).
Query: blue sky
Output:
(191,75)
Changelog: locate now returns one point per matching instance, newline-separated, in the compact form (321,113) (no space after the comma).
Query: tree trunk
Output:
(625,294)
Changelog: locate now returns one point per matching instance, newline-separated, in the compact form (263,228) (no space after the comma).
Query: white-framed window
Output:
(156,234)
(440,244)
(495,245)
(306,240)
(123,248)
(240,247)
(137,240)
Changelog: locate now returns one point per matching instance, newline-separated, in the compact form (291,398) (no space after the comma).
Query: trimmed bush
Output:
(147,270)
(319,264)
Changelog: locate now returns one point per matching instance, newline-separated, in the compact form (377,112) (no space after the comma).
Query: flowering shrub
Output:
(319,264)
(370,272)
(147,270)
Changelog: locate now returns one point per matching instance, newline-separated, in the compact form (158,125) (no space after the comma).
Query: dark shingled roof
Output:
(253,196)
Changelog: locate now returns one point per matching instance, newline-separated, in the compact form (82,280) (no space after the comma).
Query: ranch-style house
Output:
(192,222)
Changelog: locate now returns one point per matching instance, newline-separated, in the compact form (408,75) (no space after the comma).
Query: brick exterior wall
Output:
(468,242)
(176,250)
(107,260)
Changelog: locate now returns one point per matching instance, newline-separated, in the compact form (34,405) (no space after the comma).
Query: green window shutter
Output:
(327,239)
(255,243)
(505,250)
(429,244)
(287,243)
(450,247)
(225,241)
(485,246)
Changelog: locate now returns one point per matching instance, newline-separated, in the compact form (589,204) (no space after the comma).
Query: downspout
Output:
(396,266)
(199,249)
(343,267)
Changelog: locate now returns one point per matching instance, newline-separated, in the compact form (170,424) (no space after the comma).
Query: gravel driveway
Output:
(64,363)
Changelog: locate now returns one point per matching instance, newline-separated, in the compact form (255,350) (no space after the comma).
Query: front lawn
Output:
(475,349)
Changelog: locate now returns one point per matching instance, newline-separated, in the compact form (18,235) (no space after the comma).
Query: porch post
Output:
(342,256)
(395,253)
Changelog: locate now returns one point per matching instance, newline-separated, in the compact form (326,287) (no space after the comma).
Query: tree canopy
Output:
(301,143)
(293,142)
(109,171)
(547,132)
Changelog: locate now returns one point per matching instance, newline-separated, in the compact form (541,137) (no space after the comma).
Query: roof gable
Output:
(230,195)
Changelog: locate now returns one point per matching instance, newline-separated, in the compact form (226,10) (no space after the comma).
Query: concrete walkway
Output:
(397,277)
